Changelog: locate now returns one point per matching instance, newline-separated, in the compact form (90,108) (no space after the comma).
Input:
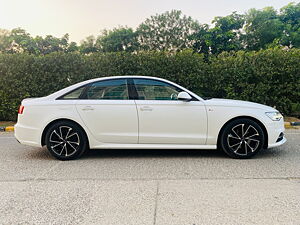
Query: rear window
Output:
(74,94)
(115,89)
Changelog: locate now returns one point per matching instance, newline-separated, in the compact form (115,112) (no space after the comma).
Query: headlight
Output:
(275,116)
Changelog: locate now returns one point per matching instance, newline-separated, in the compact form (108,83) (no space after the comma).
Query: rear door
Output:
(108,112)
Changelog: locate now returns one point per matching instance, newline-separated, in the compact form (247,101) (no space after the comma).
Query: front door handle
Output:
(87,108)
(146,108)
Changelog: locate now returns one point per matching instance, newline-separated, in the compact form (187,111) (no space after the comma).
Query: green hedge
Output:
(270,77)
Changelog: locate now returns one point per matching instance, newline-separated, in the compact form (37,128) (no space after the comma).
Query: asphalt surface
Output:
(155,187)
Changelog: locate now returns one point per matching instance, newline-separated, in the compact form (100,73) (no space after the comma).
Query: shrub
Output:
(270,76)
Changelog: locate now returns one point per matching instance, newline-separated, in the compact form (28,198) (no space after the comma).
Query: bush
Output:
(270,76)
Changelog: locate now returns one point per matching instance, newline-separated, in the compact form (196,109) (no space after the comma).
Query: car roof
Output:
(77,85)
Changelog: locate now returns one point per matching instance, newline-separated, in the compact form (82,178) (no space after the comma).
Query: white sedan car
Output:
(138,112)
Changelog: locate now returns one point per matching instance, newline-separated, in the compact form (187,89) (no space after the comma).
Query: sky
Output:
(81,18)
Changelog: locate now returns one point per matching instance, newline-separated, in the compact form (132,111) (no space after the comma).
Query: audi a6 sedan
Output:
(139,112)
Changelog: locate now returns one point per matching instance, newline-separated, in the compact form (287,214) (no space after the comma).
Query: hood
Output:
(237,103)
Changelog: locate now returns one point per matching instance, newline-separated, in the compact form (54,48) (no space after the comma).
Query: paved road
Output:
(163,187)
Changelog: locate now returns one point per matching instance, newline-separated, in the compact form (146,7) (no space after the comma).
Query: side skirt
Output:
(152,146)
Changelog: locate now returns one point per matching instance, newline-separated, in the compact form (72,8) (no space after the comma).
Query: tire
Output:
(66,140)
(242,138)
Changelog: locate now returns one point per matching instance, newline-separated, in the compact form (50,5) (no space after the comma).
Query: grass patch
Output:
(291,119)
(7,123)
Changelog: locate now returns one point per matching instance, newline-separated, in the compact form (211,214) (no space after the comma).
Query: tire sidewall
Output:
(228,128)
(83,140)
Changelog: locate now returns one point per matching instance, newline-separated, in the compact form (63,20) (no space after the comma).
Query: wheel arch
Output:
(43,141)
(245,117)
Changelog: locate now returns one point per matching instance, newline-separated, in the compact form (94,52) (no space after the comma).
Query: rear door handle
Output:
(87,108)
(146,108)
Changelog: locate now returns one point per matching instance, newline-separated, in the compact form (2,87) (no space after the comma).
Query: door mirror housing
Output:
(184,96)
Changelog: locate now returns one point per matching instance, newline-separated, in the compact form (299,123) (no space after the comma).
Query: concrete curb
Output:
(7,129)
(295,123)
(291,124)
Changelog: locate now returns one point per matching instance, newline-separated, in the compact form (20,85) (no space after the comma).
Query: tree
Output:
(18,40)
(72,47)
(172,31)
(262,28)
(225,36)
(290,16)
(88,45)
(4,40)
(118,40)
(202,40)
(51,44)
(21,41)
(169,31)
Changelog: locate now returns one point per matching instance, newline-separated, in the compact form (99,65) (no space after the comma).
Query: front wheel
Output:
(66,140)
(242,138)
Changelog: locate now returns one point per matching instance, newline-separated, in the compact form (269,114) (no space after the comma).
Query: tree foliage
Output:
(290,16)
(21,41)
(88,45)
(118,40)
(173,31)
(262,28)
(169,31)
(4,40)
(224,36)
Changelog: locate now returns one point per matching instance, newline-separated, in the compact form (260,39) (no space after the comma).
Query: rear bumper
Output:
(27,135)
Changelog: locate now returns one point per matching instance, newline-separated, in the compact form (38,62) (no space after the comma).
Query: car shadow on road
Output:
(43,154)
(135,153)
(143,153)
(39,153)
(271,153)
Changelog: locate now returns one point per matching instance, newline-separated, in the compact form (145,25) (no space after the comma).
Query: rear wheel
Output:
(242,138)
(66,140)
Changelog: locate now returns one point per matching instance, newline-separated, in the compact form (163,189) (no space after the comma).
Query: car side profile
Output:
(139,112)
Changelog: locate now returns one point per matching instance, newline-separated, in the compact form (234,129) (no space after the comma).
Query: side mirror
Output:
(184,96)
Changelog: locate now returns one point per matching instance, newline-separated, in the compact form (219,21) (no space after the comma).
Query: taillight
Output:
(21,109)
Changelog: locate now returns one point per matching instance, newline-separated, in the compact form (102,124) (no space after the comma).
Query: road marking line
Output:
(156,202)
(148,179)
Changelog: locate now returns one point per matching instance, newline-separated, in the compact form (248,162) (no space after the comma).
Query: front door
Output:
(165,120)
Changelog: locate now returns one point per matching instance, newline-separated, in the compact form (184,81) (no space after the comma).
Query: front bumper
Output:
(275,131)
(277,143)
